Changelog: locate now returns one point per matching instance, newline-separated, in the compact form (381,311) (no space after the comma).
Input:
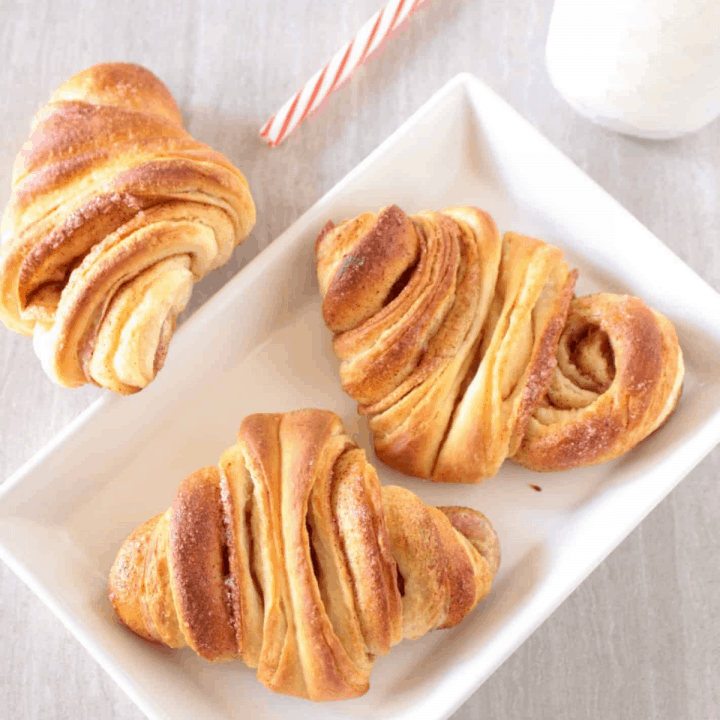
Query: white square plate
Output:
(260,345)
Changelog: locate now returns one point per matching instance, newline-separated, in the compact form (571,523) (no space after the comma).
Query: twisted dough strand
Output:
(290,556)
(618,378)
(115,212)
(446,334)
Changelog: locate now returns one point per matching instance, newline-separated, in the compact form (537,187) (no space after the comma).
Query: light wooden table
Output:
(640,638)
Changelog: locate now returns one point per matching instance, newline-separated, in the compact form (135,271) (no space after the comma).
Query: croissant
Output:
(290,556)
(445,332)
(618,378)
(115,212)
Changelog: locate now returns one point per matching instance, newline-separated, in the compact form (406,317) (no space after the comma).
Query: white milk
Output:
(643,67)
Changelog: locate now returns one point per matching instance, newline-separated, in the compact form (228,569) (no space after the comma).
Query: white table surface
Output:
(640,638)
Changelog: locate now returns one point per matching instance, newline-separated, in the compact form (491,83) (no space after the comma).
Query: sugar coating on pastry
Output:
(289,555)
(618,378)
(445,332)
(116,211)
(457,344)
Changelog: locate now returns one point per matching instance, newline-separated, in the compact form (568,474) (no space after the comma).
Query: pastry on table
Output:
(116,211)
(446,333)
(618,378)
(449,337)
(291,556)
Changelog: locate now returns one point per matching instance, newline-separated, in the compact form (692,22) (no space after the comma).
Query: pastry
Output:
(446,333)
(115,212)
(618,378)
(291,556)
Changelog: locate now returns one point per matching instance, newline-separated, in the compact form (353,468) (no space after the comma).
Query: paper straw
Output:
(353,54)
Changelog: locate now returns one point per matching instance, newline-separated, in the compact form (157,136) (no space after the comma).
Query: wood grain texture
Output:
(640,638)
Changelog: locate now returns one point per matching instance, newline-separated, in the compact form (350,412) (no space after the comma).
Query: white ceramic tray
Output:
(260,345)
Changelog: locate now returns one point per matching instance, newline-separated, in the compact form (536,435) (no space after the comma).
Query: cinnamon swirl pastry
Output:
(115,213)
(291,556)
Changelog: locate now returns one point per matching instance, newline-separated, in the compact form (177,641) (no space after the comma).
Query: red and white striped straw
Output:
(353,54)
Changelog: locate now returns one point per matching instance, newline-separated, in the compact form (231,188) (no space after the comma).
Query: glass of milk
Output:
(649,68)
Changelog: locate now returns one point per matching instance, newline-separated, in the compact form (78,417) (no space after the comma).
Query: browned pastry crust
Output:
(445,332)
(618,378)
(115,212)
(291,556)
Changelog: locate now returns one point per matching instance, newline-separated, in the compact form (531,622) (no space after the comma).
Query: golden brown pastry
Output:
(291,556)
(445,332)
(115,212)
(618,378)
